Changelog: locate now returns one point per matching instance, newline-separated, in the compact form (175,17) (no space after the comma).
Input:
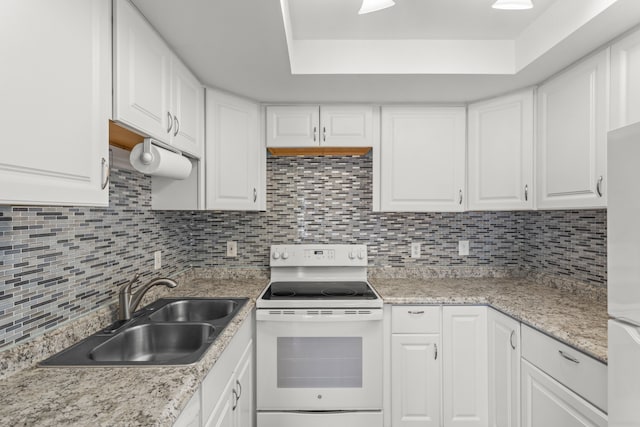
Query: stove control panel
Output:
(318,255)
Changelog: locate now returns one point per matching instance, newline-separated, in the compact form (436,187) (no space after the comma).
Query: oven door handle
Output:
(283,316)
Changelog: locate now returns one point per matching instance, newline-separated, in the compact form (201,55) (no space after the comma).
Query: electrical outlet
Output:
(415,250)
(232,248)
(463,247)
(157,260)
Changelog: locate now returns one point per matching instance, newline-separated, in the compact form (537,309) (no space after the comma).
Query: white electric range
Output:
(319,339)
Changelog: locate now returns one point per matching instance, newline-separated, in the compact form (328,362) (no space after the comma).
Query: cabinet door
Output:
(245,408)
(546,402)
(142,64)
(188,110)
(233,157)
(223,414)
(464,352)
(56,102)
(504,370)
(501,153)
(422,159)
(293,126)
(190,415)
(625,81)
(572,135)
(346,126)
(415,380)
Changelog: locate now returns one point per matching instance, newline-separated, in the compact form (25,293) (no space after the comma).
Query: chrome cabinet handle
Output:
(324,133)
(460,197)
(315,132)
(175,119)
(526,193)
(599,186)
(435,351)
(170,121)
(255,195)
(416,312)
(568,357)
(513,334)
(239,389)
(235,399)
(105,176)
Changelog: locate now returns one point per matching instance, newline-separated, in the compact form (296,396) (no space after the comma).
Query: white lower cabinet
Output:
(464,352)
(416,369)
(547,403)
(226,395)
(504,370)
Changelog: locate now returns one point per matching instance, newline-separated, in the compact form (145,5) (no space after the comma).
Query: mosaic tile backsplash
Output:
(58,263)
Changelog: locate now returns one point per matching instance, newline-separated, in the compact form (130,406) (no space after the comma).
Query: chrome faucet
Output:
(129,302)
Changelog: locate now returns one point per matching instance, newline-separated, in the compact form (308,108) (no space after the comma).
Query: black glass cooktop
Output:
(319,290)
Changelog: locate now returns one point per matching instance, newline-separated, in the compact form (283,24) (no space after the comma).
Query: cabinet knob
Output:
(276,255)
(513,334)
(315,133)
(285,255)
(526,193)
(255,195)
(324,133)
(460,197)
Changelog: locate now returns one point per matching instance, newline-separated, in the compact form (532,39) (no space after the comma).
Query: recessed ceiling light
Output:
(513,4)
(374,5)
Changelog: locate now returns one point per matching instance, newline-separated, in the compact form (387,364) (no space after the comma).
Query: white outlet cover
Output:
(157,260)
(415,250)
(463,247)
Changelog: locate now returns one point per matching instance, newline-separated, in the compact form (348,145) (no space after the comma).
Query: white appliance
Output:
(623,255)
(319,340)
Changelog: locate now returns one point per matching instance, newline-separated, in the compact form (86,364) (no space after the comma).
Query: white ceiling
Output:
(410,19)
(242,46)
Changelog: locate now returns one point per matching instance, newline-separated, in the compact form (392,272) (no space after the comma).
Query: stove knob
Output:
(352,255)
(276,255)
(360,255)
(285,255)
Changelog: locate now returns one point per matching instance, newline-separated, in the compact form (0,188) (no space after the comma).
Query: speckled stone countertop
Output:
(121,396)
(576,318)
(155,396)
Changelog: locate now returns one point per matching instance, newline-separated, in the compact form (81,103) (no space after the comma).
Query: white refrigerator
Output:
(623,258)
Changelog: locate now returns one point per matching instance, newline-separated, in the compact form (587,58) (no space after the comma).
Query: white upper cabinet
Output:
(500,144)
(572,136)
(55,102)
(235,159)
(188,110)
(422,159)
(320,126)
(154,93)
(625,81)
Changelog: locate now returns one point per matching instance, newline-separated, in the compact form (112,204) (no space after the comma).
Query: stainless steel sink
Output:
(171,331)
(154,343)
(194,310)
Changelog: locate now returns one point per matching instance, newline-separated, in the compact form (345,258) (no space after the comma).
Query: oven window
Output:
(319,362)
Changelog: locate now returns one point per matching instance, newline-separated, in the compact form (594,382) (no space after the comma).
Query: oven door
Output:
(319,360)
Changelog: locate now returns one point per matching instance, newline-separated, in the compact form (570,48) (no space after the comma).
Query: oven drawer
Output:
(415,319)
(314,419)
(582,374)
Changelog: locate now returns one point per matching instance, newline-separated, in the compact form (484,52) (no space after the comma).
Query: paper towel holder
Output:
(147,156)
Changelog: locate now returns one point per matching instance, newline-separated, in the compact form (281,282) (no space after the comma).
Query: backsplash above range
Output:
(57,264)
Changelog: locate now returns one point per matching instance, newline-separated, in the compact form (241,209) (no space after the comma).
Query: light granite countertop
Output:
(121,396)
(576,318)
(154,396)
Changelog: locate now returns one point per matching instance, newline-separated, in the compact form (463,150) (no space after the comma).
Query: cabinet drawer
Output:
(579,372)
(409,319)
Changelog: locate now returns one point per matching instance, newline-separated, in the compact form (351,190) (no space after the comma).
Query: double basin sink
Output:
(169,331)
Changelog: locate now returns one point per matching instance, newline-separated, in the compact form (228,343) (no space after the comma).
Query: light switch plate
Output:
(232,248)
